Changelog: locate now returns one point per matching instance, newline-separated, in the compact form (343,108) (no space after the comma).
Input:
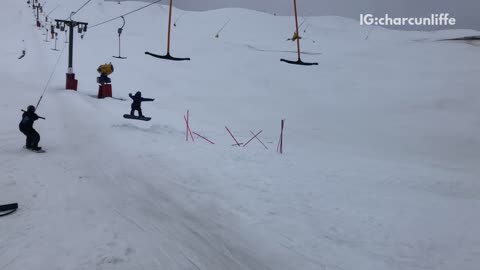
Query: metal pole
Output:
(169,25)
(119,49)
(38,16)
(70,48)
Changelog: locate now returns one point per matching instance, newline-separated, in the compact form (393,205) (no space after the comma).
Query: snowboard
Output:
(36,151)
(128,116)
(8,209)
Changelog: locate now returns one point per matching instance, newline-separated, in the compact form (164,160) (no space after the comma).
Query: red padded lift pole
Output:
(168,56)
(296,25)
(299,61)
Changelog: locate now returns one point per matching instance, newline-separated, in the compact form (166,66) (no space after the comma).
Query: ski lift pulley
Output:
(120,30)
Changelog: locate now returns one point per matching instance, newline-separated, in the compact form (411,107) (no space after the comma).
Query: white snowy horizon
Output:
(464,11)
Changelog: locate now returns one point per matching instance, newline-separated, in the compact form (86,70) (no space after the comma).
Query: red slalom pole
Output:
(280,142)
(188,128)
(186,132)
(238,144)
(259,140)
(296,25)
(203,138)
(254,136)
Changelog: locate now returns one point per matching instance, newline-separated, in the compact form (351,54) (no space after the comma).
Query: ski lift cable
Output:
(304,20)
(51,76)
(128,13)
(123,25)
(306,27)
(225,24)
(53,10)
(179,18)
(75,12)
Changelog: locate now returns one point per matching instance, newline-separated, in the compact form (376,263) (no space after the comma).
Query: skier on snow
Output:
(26,127)
(137,101)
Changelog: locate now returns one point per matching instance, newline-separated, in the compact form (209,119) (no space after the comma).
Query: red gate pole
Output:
(280,141)
(296,24)
(259,140)
(186,132)
(254,136)
(188,128)
(238,144)
(203,138)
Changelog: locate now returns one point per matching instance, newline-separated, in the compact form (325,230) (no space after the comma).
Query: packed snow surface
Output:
(381,145)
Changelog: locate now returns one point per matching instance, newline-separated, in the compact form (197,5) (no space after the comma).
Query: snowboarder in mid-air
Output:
(136,106)
(26,127)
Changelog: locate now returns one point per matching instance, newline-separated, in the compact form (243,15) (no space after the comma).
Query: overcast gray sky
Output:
(465,11)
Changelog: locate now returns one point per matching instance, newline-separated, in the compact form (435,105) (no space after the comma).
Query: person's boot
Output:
(37,148)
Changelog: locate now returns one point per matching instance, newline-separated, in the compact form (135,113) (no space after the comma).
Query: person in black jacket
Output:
(26,127)
(137,102)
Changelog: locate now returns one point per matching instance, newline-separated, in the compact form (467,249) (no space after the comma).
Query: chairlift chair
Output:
(56,38)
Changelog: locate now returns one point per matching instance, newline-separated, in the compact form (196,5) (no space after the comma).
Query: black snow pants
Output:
(136,108)
(33,138)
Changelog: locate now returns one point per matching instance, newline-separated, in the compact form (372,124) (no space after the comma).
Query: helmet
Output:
(138,94)
(31,108)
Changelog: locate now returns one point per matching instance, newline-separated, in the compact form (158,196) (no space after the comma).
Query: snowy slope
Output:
(381,146)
